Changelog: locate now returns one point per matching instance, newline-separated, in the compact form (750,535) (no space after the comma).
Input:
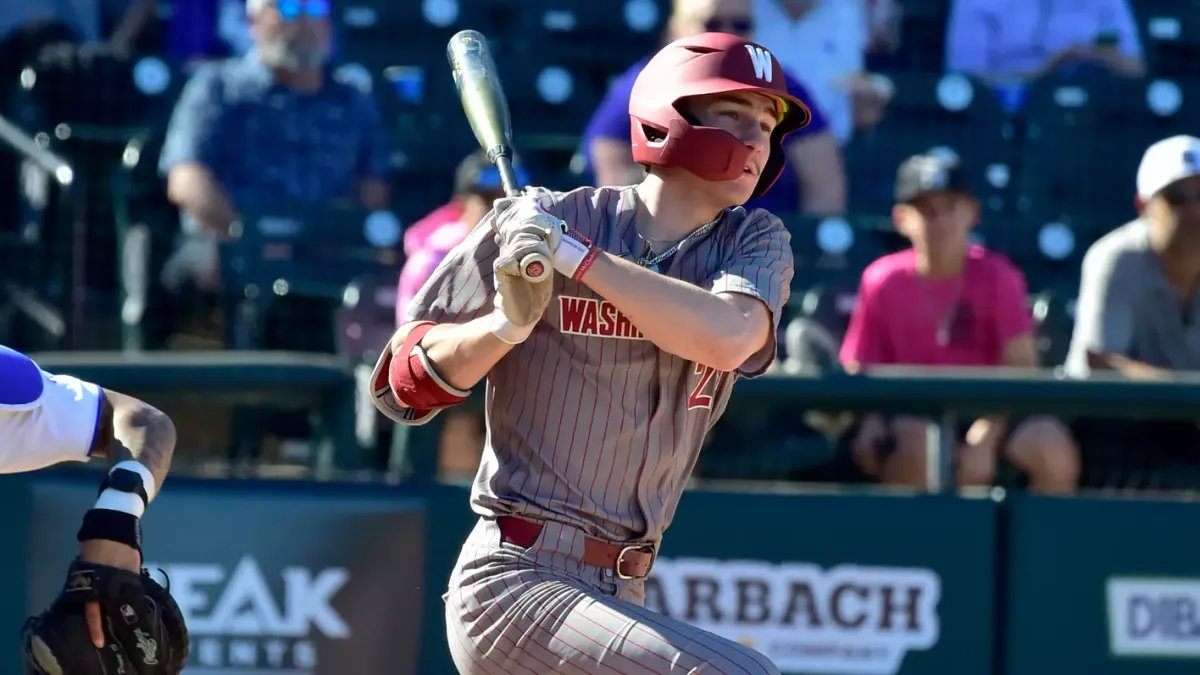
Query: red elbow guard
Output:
(411,377)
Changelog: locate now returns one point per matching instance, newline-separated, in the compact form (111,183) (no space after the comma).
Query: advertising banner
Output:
(854,585)
(297,578)
(1103,586)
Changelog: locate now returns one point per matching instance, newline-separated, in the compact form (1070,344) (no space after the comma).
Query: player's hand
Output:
(521,221)
(519,302)
(113,554)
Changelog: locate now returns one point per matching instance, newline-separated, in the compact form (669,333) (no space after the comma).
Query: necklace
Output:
(654,262)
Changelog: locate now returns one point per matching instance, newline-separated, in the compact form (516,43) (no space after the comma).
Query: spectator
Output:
(1137,312)
(269,126)
(945,302)
(1016,41)
(817,183)
(824,43)
(426,242)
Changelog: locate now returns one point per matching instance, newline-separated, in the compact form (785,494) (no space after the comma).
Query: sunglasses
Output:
(1177,195)
(729,24)
(292,10)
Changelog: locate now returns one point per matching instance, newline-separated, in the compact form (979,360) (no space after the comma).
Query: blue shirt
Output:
(611,120)
(266,143)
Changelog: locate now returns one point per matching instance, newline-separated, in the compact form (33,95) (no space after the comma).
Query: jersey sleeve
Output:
(60,425)
(761,267)
(459,290)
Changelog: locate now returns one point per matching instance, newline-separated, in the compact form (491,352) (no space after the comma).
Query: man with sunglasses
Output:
(268,127)
(945,303)
(1138,309)
(814,181)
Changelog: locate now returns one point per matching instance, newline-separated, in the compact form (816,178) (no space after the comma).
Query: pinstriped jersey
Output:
(588,422)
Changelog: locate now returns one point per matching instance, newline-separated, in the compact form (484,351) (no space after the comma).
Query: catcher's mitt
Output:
(144,632)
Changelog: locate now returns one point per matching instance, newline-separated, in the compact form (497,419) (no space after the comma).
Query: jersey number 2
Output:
(698,398)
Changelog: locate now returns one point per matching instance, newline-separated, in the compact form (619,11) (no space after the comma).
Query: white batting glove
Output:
(524,219)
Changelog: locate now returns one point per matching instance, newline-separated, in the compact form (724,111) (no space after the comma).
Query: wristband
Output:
(507,331)
(117,526)
(572,251)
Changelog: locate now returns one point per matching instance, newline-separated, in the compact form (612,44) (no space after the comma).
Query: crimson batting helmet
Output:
(700,65)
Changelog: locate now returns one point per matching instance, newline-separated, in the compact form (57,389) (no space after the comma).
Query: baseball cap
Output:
(1167,161)
(476,174)
(925,173)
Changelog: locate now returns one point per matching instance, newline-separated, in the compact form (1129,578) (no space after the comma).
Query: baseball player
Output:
(110,615)
(603,380)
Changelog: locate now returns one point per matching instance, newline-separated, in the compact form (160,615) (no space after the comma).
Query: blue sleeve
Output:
(611,118)
(818,124)
(191,133)
(374,157)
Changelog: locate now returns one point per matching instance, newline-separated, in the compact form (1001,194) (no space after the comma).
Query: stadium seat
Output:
(366,319)
(298,251)
(146,226)
(923,35)
(1054,313)
(835,250)
(1170,31)
(950,114)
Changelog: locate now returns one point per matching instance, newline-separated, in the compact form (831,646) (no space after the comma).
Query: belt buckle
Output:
(634,547)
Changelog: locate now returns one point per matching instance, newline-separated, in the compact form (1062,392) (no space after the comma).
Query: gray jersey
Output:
(589,423)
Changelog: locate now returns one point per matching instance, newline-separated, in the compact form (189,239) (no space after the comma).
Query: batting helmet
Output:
(709,63)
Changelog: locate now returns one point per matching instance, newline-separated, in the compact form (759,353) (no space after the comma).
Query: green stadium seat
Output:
(951,114)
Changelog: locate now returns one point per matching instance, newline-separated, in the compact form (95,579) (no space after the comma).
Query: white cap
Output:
(1167,161)
(255,6)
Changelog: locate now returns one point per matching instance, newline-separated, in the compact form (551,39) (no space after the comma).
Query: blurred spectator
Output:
(945,302)
(269,126)
(426,242)
(1137,311)
(823,43)
(1012,42)
(817,182)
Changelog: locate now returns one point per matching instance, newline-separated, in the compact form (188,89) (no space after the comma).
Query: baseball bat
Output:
(486,109)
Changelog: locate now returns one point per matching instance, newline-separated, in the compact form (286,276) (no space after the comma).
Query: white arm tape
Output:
(60,425)
(507,331)
(140,469)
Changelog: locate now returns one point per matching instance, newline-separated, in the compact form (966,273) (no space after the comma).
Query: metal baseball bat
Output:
(483,101)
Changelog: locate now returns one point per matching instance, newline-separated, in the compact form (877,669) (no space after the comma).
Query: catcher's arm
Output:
(138,440)
(131,429)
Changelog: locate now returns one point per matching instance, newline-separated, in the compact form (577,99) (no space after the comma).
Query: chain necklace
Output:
(654,262)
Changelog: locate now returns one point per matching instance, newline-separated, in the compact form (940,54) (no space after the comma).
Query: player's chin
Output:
(739,190)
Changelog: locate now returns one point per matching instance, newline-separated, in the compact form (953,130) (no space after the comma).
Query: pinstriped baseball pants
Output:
(538,611)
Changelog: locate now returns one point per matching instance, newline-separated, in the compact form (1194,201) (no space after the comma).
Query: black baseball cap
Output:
(477,175)
(926,173)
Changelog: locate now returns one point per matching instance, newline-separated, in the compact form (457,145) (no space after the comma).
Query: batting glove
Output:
(525,218)
(519,303)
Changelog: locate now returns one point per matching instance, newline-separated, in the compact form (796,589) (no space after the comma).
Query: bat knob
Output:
(535,268)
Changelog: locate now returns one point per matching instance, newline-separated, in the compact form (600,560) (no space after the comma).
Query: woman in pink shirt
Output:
(946,303)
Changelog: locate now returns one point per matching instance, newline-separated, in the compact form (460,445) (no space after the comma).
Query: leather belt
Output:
(629,561)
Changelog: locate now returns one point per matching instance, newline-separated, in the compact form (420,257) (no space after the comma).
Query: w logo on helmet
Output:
(763,63)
